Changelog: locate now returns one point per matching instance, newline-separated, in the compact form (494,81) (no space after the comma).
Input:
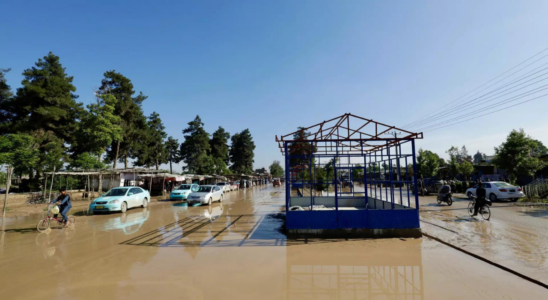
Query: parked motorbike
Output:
(447,198)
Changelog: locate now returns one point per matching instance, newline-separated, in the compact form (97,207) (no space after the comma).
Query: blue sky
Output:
(271,66)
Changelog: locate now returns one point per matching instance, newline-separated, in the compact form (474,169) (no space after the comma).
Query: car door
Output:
(488,189)
(134,198)
(217,193)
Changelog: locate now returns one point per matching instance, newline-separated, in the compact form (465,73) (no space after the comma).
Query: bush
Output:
(458,186)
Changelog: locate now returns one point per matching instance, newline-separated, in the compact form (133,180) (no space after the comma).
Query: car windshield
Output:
(184,187)
(503,184)
(221,183)
(116,192)
(204,189)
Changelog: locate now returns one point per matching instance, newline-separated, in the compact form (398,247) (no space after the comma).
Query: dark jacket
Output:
(480,192)
(65,200)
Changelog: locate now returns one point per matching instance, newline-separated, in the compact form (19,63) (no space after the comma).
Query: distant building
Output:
(262,171)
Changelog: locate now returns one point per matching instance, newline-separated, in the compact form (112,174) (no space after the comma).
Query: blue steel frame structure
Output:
(381,197)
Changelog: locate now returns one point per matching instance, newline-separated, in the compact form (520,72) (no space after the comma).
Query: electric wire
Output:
(476,89)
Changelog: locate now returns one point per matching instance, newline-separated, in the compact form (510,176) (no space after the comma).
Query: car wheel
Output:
(493,197)
(209,202)
(470,195)
(123,207)
(515,199)
(145,203)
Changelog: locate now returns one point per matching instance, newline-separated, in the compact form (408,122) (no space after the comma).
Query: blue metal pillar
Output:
(415,191)
(310,177)
(390,174)
(398,156)
(287,179)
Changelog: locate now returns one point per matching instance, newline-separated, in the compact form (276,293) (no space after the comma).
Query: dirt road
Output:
(515,237)
(234,250)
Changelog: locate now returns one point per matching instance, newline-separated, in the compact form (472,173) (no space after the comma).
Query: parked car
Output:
(495,190)
(182,191)
(2,191)
(276,182)
(225,186)
(206,194)
(121,199)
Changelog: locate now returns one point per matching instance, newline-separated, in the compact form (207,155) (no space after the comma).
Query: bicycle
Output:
(484,210)
(44,224)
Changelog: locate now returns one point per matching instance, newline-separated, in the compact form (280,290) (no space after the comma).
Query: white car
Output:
(206,194)
(495,190)
(225,186)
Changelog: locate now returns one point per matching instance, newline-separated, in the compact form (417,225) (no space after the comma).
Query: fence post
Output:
(8,184)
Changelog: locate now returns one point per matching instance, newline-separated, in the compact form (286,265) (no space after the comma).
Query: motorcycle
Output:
(447,198)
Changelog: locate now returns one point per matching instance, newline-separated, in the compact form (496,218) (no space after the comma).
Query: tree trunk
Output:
(125,162)
(170,168)
(116,156)
(51,186)
(157,166)
(8,183)
(100,186)
(45,186)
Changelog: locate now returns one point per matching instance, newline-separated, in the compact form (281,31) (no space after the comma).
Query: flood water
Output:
(233,250)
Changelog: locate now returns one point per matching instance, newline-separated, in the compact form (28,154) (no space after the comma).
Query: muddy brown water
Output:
(233,250)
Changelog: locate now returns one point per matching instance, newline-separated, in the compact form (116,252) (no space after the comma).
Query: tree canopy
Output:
(195,148)
(276,169)
(173,155)
(219,145)
(242,152)
(427,163)
(46,101)
(519,154)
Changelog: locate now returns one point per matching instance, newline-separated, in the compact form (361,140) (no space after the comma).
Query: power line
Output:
(492,112)
(497,104)
(413,123)
(451,111)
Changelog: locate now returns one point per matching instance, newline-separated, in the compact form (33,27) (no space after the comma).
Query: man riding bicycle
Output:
(480,198)
(65,205)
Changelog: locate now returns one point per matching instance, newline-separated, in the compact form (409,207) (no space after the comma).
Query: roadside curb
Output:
(525,204)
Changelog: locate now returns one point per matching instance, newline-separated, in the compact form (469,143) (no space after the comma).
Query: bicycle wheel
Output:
(42,225)
(471,208)
(485,212)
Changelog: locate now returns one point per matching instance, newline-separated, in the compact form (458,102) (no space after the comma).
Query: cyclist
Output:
(480,198)
(65,205)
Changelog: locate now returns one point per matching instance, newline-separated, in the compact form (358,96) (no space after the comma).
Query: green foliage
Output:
(51,150)
(3,179)
(242,153)
(86,161)
(219,144)
(46,101)
(357,174)
(17,150)
(321,177)
(100,127)
(132,120)
(519,154)
(428,163)
(153,150)
(276,169)
(172,149)
(194,150)
(466,168)
(5,97)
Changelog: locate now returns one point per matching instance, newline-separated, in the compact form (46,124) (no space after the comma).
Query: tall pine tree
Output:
(5,96)
(154,152)
(195,148)
(219,145)
(173,155)
(46,101)
(242,153)
(128,108)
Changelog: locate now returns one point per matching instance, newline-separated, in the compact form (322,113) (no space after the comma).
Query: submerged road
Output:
(236,250)
(515,237)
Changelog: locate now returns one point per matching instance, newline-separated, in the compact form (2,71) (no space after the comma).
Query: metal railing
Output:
(536,189)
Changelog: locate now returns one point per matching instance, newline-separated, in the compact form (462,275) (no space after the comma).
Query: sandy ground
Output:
(515,237)
(233,250)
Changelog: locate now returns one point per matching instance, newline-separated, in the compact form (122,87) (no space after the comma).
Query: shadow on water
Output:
(216,230)
(537,213)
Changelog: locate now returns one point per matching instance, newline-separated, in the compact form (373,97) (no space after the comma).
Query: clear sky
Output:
(271,66)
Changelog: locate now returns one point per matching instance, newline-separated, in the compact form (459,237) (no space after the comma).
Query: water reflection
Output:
(129,222)
(379,272)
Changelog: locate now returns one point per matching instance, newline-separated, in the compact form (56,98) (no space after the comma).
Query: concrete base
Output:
(355,233)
